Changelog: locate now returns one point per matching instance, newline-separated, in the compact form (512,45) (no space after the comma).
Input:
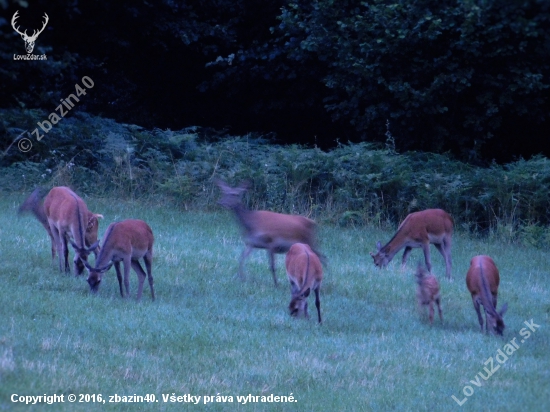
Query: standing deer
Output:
(482,281)
(419,229)
(126,241)
(65,217)
(427,292)
(262,229)
(305,272)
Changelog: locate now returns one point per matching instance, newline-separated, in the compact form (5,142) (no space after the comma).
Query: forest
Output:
(469,78)
(351,112)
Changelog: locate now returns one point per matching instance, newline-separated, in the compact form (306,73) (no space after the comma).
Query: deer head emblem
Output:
(29,40)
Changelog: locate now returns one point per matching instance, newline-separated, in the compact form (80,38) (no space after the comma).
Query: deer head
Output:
(29,40)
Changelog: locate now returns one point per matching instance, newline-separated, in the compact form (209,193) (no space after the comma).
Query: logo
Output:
(29,40)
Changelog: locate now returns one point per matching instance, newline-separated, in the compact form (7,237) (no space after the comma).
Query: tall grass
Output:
(209,333)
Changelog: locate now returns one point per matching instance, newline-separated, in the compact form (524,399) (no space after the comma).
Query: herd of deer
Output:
(67,219)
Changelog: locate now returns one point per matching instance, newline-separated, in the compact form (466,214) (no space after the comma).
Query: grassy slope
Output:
(209,333)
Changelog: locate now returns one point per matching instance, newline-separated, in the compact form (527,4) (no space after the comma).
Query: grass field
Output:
(210,334)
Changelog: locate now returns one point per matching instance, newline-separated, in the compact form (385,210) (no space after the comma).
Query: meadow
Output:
(209,333)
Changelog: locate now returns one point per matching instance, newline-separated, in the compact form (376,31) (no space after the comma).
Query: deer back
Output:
(304,269)
(68,212)
(482,280)
(416,229)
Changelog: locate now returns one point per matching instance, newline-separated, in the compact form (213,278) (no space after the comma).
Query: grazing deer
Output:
(274,232)
(305,272)
(64,215)
(419,229)
(427,292)
(126,241)
(482,281)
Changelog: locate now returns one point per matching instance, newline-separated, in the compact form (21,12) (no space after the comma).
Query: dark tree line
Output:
(470,77)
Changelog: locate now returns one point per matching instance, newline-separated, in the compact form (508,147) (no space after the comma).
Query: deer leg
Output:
(54,247)
(119,277)
(271,255)
(480,319)
(438,302)
(406,254)
(431,313)
(447,256)
(244,255)
(127,265)
(318,304)
(445,250)
(141,277)
(305,310)
(65,249)
(426,249)
(57,241)
(148,258)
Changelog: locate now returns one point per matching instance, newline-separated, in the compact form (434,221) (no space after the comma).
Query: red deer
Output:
(427,292)
(64,215)
(482,281)
(126,241)
(305,272)
(262,229)
(419,229)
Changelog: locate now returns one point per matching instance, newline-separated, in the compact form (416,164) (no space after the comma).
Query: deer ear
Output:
(503,309)
(306,293)
(378,246)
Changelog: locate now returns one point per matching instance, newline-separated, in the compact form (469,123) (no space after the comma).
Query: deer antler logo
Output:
(29,40)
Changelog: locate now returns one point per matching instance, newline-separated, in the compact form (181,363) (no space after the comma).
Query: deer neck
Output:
(243,216)
(392,247)
(105,254)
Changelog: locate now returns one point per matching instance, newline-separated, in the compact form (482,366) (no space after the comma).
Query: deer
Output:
(482,281)
(304,272)
(126,241)
(29,40)
(65,217)
(418,230)
(262,229)
(427,292)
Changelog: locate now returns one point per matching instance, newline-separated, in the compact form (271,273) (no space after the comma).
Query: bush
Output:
(353,184)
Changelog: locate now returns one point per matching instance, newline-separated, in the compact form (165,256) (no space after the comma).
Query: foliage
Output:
(353,184)
(469,77)
(449,75)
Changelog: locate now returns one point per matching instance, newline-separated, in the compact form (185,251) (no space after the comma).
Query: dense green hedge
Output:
(354,184)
